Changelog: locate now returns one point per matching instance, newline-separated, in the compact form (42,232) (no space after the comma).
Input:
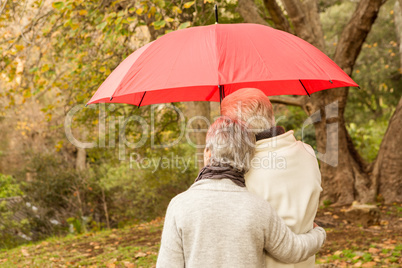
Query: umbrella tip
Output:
(331,81)
(111,98)
(216,14)
(86,105)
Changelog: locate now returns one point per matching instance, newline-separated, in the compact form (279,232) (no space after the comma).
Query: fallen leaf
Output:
(25,252)
(358,264)
(140,255)
(335,217)
(369,264)
(338,252)
(373,250)
(129,264)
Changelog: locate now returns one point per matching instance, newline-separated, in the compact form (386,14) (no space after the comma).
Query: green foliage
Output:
(9,187)
(142,189)
(367,137)
(327,203)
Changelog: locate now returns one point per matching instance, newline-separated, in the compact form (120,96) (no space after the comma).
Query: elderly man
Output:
(218,223)
(284,171)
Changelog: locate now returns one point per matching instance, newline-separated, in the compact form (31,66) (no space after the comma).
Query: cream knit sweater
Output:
(285,173)
(216,223)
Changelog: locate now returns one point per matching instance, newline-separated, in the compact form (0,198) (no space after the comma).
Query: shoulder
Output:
(307,148)
(180,197)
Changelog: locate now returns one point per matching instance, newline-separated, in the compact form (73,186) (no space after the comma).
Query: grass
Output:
(133,246)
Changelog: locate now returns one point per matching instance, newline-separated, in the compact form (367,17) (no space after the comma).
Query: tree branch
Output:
(355,33)
(2,8)
(279,19)
(306,21)
(249,11)
(298,101)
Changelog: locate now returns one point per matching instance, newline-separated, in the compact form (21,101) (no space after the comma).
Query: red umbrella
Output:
(192,64)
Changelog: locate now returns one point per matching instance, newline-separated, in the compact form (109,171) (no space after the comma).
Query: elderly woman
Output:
(218,223)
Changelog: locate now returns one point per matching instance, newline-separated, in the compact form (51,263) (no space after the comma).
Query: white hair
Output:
(230,143)
(251,106)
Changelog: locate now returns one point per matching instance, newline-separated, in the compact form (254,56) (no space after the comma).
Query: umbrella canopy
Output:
(208,62)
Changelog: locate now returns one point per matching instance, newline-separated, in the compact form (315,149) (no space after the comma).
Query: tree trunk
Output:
(80,161)
(198,114)
(348,179)
(387,171)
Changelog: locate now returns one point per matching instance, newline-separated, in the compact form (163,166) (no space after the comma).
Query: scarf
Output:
(270,133)
(222,172)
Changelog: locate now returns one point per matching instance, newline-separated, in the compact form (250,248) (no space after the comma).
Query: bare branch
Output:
(2,8)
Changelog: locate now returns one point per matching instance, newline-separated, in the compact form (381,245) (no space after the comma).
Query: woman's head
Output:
(251,106)
(229,143)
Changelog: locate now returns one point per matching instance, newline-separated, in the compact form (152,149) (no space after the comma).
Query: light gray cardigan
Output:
(216,223)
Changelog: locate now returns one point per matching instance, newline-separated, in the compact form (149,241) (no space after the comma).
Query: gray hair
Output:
(230,144)
(251,106)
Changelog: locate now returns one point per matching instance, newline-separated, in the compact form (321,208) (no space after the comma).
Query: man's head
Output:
(229,143)
(250,105)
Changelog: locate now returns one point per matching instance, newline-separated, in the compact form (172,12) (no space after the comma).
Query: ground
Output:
(347,244)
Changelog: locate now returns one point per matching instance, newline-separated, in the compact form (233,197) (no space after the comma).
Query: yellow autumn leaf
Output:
(139,11)
(177,10)
(152,11)
(19,47)
(75,26)
(188,4)
(83,12)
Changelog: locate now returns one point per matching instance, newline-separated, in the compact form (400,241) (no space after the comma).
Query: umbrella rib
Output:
(304,87)
(141,99)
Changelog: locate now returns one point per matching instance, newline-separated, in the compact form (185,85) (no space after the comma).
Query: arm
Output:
(171,251)
(284,245)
